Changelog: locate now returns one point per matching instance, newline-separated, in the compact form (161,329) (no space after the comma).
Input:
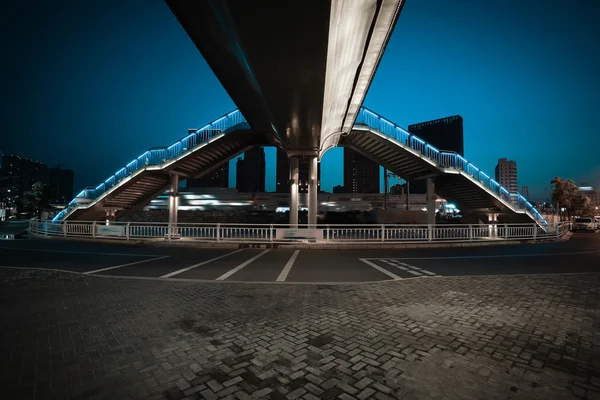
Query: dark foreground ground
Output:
(477,337)
(470,329)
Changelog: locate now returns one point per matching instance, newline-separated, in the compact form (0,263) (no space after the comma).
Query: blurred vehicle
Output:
(585,224)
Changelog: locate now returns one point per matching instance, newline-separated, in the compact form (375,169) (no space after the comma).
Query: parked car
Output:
(585,224)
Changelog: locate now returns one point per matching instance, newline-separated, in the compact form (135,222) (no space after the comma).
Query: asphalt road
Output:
(581,254)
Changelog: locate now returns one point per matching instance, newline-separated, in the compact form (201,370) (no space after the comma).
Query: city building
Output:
(361,175)
(218,178)
(251,171)
(339,189)
(506,174)
(18,174)
(397,189)
(445,134)
(283,174)
(592,194)
(60,185)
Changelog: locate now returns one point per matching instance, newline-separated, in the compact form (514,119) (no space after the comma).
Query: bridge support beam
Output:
(430,201)
(294,182)
(312,191)
(173,204)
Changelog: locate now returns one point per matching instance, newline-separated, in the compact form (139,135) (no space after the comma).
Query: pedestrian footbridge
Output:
(144,178)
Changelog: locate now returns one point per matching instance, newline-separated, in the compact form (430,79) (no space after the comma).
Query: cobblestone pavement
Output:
(509,337)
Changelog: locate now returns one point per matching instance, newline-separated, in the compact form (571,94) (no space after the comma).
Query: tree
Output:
(36,199)
(583,206)
(565,194)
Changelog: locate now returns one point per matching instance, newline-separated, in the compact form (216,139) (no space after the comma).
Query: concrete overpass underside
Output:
(298,70)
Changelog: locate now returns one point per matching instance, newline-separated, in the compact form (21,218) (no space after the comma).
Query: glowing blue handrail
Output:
(445,159)
(157,156)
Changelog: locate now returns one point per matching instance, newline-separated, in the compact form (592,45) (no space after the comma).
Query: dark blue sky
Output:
(93,84)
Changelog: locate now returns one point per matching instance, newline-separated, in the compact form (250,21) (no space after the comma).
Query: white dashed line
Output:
(242,265)
(180,271)
(124,265)
(288,266)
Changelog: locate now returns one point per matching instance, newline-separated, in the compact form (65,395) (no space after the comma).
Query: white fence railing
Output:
(276,233)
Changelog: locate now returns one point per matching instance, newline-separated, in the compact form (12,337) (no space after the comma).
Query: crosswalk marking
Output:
(242,265)
(408,268)
(378,268)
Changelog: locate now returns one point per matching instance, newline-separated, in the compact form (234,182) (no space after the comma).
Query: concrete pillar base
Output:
(313,204)
(173,205)
(430,201)
(294,182)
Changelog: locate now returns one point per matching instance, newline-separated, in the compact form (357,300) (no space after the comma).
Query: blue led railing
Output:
(157,156)
(446,159)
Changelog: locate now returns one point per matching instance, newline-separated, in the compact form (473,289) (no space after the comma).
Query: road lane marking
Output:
(125,265)
(494,256)
(288,266)
(408,270)
(78,252)
(242,265)
(411,269)
(378,268)
(180,271)
(421,270)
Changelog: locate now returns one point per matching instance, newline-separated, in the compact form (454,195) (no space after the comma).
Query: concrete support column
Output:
(493,225)
(173,204)
(313,193)
(294,182)
(430,201)
(110,215)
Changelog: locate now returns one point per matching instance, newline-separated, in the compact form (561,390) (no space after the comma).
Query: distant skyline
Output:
(93,84)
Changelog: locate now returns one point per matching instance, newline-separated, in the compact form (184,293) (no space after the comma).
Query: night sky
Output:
(92,84)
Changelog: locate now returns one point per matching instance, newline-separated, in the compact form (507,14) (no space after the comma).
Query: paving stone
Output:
(366,394)
(197,339)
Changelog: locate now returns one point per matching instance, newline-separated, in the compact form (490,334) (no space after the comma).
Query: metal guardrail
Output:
(446,159)
(157,156)
(276,233)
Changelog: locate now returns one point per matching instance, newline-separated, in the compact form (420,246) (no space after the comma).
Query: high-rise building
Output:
(506,174)
(338,189)
(60,185)
(217,178)
(250,171)
(445,134)
(361,175)
(20,174)
(283,174)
